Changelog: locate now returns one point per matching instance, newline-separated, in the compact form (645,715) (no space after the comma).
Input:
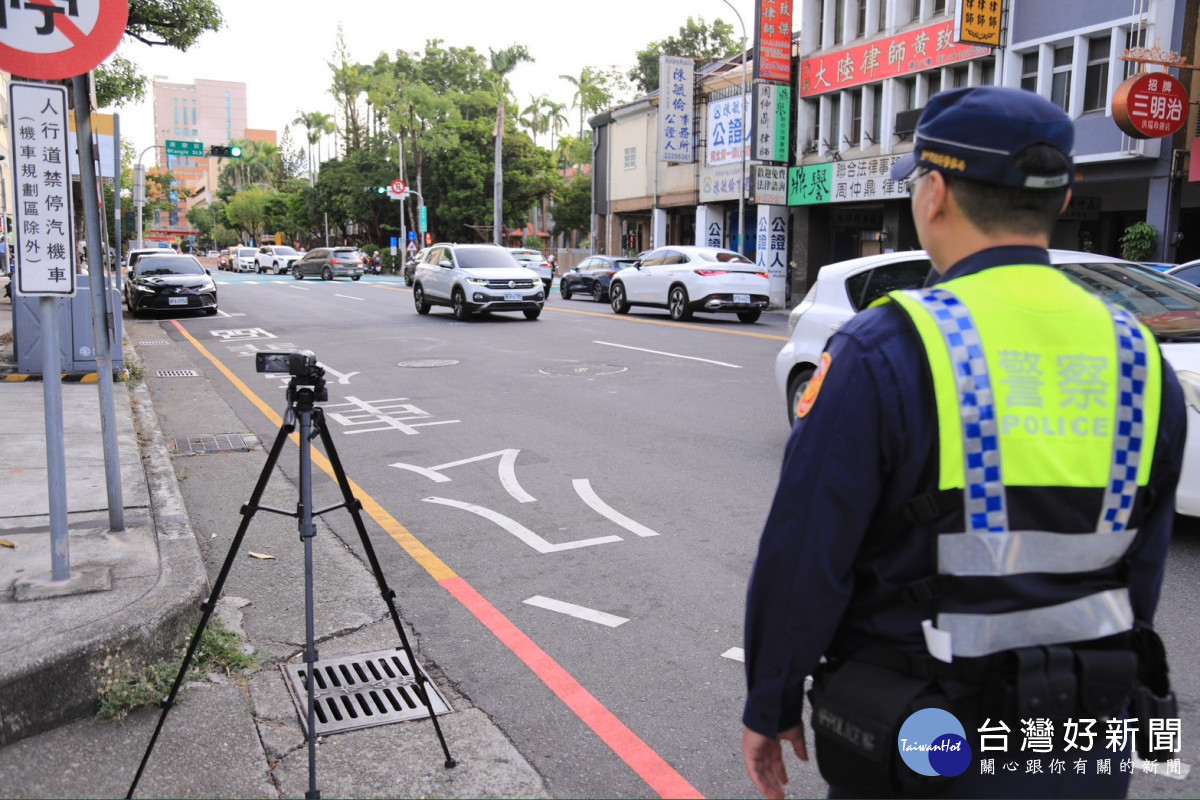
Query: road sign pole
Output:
(56,450)
(98,284)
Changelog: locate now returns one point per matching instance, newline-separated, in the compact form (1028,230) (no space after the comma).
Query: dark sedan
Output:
(169,283)
(592,276)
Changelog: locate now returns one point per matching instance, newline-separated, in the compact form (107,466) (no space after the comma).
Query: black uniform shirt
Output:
(868,445)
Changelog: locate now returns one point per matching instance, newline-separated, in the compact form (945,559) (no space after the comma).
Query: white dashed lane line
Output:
(580,612)
(671,355)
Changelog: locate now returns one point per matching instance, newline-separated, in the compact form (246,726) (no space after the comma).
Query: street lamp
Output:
(139,190)
(741,248)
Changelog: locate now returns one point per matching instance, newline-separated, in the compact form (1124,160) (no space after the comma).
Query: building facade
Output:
(863,70)
(205,111)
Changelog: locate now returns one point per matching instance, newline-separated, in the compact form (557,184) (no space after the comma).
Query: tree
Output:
(594,90)
(503,62)
(695,40)
(574,209)
(247,212)
(169,23)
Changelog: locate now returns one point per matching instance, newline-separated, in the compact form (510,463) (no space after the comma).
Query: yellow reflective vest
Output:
(1046,395)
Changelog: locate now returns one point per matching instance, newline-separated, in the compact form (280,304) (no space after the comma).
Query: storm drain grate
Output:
(177,373)
(361,691)
(154,343)
(215,443)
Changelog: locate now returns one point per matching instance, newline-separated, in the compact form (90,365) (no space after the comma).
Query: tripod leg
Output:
(355,508)
(208,606)
(307,531)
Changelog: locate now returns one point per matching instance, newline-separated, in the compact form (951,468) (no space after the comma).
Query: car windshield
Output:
(485,258)
(347,254)
(245,252)
(1167,307)
(157,265)
(527,257)
(285,251)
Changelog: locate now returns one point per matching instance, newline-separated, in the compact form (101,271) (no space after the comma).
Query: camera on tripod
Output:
(299,364)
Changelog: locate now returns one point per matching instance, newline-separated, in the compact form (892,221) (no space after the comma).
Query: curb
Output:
(46,694)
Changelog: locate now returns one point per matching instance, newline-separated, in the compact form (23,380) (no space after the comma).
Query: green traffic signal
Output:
(225,151)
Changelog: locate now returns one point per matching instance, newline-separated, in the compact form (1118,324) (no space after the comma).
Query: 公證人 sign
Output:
(42,188)
(54,40)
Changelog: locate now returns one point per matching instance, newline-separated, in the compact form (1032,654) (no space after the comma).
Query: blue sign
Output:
(395,241)
(412,236)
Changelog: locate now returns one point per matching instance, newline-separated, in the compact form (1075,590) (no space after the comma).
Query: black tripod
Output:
(303,391)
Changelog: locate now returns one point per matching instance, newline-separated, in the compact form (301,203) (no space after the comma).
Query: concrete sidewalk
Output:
(228,736)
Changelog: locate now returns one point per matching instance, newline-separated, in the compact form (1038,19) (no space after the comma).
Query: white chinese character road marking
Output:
(377,413)
(520,531)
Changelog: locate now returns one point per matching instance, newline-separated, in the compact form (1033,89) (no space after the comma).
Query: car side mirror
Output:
(447,264)
(207,271)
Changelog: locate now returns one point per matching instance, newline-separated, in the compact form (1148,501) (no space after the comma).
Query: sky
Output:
(280,48)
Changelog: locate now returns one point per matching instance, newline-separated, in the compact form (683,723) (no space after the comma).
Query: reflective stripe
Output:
(997,554)
(1092,617)
(983,495)
(1129,436)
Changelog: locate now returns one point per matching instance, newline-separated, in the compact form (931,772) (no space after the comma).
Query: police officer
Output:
(976,501)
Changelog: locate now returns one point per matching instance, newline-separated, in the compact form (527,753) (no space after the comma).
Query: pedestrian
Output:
(975,503)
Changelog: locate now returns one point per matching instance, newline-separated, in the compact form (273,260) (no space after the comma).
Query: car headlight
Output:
(477,281)
(1190,381)
(146,289)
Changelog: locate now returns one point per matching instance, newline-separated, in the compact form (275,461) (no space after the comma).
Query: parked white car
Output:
(277,258)
(472,278)
(686,279)
(1170,308)
(241,259)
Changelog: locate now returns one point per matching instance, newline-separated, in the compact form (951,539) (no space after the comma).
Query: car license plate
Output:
(741,298)
(512,297)
(177,301)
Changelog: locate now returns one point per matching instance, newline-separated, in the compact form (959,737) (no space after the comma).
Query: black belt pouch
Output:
(857,713)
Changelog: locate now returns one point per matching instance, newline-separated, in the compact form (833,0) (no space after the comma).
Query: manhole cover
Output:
(215,443)
(177,373)
(584,369)
(429,362)
(361,691)
(152,344)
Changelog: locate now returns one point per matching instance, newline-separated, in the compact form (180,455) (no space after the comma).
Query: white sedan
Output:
(686,279)
(1170,308)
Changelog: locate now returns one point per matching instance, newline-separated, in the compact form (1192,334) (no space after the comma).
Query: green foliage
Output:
(695,40)
(247,212)
(574,209)
(119,81)
(1137,243)
(123,686)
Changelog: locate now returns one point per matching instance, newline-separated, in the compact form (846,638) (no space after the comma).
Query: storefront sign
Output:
(845,182)
(772,117)
(1081,209)
(676,110)
(772,249)
(770,185)
(1150,105)
(909,52)
(719,184)
(978,22)
(773,40)
(726,130)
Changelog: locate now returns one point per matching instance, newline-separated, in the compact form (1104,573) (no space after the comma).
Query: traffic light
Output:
(381,189)
(225,151)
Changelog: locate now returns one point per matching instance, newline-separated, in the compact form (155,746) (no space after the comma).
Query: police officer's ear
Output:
(1066,202)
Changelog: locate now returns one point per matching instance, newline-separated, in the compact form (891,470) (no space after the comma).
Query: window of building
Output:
(908,93)
(821,20)
(835,121)
(1029,71)
(1060,84)
(987,72)
(881,23)
(860,25)
(176,115)
(1095,82)
(939,6)
(856,104)
(630,158)
(1135,37)
(876,112)
(933,82)
(960,77)
(838,20)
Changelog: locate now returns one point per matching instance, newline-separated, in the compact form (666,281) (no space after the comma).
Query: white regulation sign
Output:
(42,189)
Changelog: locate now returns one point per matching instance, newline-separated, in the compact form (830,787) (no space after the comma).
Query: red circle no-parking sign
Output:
(54,40)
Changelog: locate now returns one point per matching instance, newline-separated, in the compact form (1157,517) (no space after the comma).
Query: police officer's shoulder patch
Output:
(811,391)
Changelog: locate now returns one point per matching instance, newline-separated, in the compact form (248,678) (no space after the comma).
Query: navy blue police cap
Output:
(977,133)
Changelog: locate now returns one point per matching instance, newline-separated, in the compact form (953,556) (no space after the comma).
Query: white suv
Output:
(275,257)
(473,278)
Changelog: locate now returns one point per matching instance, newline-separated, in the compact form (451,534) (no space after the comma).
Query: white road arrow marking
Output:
(580,612)
(583,488)
(507,467)
(520,531)
(734,654)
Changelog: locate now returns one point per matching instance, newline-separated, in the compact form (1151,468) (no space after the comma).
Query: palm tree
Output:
(534,117)
(316,124)
(590,93)
(503,62)
(555,119)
